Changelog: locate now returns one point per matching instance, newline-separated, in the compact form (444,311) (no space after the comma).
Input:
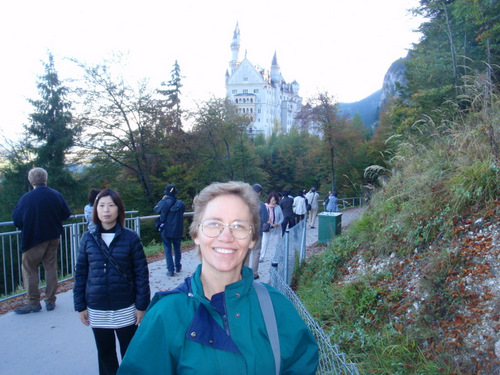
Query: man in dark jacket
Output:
(286,205)
(39,214)
(171,212)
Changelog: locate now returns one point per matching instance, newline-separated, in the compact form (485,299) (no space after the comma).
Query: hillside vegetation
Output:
(413,287)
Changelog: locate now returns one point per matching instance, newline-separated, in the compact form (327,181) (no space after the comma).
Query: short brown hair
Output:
(38,176)
(216,189)
(116,200)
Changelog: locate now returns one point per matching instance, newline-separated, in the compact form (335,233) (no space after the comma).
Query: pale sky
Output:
(344,47)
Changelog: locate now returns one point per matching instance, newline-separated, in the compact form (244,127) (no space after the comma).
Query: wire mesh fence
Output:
(289,252)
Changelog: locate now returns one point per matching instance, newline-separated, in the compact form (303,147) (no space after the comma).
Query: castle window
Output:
(236,101)
(245,91)
(251,100)
(256,91)
(235,91)
(245,78)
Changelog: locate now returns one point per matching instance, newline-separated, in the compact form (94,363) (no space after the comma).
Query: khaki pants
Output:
(44,253)
(313,215)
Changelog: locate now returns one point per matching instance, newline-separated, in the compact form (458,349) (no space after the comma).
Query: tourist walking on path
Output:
(111,291)
(39,214)
(286,205)
(312,197)
(275,221)
(214,323)
(171,212)
(299,207)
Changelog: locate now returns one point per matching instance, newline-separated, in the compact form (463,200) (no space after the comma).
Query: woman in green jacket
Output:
(213,323)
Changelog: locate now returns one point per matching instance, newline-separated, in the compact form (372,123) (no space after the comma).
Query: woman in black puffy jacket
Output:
(111,291)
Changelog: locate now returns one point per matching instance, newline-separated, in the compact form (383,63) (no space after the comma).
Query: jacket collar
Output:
(204,329)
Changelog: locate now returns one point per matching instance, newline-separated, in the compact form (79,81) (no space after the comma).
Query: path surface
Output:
(56,342)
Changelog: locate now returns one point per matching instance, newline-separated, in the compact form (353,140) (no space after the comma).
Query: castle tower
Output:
(261,94)
(275,70)
(235,49)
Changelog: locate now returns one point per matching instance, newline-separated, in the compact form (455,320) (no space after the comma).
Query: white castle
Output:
(261,94)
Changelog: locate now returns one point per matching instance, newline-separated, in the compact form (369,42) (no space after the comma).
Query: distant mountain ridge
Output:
(369,107)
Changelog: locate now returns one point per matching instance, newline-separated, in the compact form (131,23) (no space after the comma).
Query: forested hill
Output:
(368,108)
(413,287)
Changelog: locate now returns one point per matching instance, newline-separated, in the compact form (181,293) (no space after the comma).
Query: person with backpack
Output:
(312,198)
(171,212)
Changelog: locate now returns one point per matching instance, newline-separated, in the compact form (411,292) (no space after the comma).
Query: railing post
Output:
(285,257)
(302,253)
(138,226)
(75,242)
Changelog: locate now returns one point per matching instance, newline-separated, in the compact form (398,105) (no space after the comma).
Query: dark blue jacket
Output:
(99,285)
(286,205)
(171,212)
(263,215)
(39,214)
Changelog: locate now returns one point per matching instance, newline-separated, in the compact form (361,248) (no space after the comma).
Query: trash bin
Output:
(330,225)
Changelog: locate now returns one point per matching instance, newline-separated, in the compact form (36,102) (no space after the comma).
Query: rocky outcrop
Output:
(394,77)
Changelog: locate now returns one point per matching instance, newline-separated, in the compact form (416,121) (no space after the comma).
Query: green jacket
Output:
(182,333)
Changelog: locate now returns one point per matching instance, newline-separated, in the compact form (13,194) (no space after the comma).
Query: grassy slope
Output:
(413,286)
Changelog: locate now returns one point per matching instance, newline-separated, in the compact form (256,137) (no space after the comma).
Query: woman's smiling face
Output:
(225,253)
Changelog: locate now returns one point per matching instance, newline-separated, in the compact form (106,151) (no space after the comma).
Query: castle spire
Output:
(275,61)
(235,48)
(275,70)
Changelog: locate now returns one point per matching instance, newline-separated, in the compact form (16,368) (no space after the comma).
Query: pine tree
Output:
(173,93)
(51,123)
(53,131)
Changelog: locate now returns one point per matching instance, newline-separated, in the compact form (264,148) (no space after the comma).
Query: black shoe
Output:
(255,277)
(178,270)
(26,309)
(170,273)
(50,306)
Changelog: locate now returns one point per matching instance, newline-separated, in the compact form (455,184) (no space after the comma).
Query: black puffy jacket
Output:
(99,285)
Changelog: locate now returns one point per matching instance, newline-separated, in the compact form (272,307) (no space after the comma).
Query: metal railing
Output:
(11,254)
(290,250)
(346,203)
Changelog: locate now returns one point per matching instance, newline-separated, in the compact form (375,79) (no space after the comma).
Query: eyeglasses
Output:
(213,228)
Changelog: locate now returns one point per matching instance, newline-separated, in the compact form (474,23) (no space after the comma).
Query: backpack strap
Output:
(266,306)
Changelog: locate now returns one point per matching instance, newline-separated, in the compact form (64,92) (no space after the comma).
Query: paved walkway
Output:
(56,342)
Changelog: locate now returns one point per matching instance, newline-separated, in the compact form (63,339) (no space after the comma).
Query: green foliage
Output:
(51,123)
(439,170)
(48,139)
(473,182)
